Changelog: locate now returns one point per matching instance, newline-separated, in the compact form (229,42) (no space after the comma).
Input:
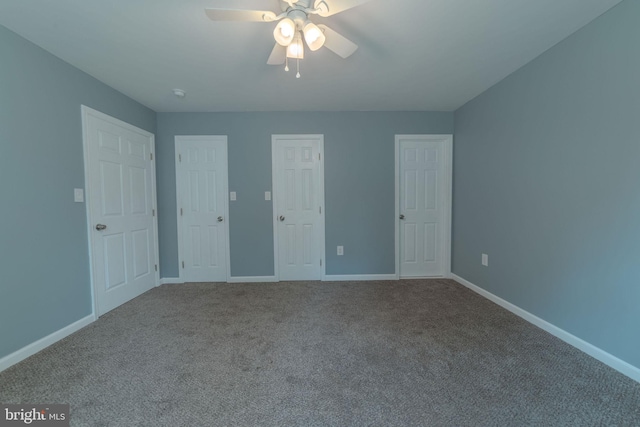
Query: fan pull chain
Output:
(286,64)
(298,75)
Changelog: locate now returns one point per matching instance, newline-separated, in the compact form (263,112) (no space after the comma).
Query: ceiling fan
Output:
(295,25)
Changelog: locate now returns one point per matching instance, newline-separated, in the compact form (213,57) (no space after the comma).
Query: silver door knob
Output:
(281,218)
(401,216)
(101,227)
(220,219)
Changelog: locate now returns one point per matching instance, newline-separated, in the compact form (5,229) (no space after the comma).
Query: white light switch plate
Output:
(267,195)
(78,195)
(485,260)
(340,250)
(232,195)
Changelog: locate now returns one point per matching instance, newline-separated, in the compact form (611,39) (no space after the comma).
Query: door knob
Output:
(281,218)
(220,219)
(401,216)
(100,227)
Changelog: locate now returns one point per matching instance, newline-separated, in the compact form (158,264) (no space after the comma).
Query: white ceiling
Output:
(420,55)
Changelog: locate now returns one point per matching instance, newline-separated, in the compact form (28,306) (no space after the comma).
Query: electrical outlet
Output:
(232,196)
(340,250)
(485,260)
(267,195)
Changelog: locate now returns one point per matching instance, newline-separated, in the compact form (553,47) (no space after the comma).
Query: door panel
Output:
(141,253)
(298,202)
(121,196)
(201,171)
(138,195)
(422,206)
(110,189)
(114,260)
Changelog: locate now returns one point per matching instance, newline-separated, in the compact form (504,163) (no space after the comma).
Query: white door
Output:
(120,178)
(201,174)
(424,199)
(298,187)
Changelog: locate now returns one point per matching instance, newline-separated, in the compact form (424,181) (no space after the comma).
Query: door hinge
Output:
(151,155)
(180,157)
(320,210)
(318,156)
(320,262)
(156,267)
(182,264)
(153,212)
(180,211)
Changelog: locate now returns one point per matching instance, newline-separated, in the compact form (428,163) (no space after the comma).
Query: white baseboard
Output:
(236,279)
(271,279)
(619,365)
(170,281)
(252,279)
(358,277)
(42,343)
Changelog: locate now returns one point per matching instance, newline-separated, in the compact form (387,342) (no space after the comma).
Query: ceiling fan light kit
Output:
(294,24)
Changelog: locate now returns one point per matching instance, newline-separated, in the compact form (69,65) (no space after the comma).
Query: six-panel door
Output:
(121,210)
(298,195)
(422,207)
(201,171)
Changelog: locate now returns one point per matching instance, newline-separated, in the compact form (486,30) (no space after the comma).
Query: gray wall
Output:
(547,182)
(44,258)
(359,183)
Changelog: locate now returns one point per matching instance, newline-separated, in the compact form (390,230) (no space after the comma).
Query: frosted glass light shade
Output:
(296,49)
(313,36)
(285,32)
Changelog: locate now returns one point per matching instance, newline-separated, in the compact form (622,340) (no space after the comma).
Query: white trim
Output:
(42,343)
(323,232)
(448,194)
(619,365)
(447,139)
(154,202)
(396,221)
(170,281)
(84,113)
(180,186)
(253,279)
(358,277)
(234,279)
(276,260)
(176,155)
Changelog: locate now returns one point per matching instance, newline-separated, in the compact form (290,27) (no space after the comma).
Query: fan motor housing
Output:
(300,4)
(298,16)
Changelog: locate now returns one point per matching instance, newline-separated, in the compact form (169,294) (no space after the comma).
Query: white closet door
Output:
(298,206)
(121,203)
(201,173)
(423,205)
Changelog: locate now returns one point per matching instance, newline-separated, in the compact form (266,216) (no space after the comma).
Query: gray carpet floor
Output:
(407,353)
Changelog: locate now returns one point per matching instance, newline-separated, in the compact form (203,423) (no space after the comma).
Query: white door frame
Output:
(447,140)
(276,258)
(85,113)
(180,186)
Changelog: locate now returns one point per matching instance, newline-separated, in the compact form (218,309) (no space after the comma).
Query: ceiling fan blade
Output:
(240,15)
(331,7)
(277,56)
(338,43)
